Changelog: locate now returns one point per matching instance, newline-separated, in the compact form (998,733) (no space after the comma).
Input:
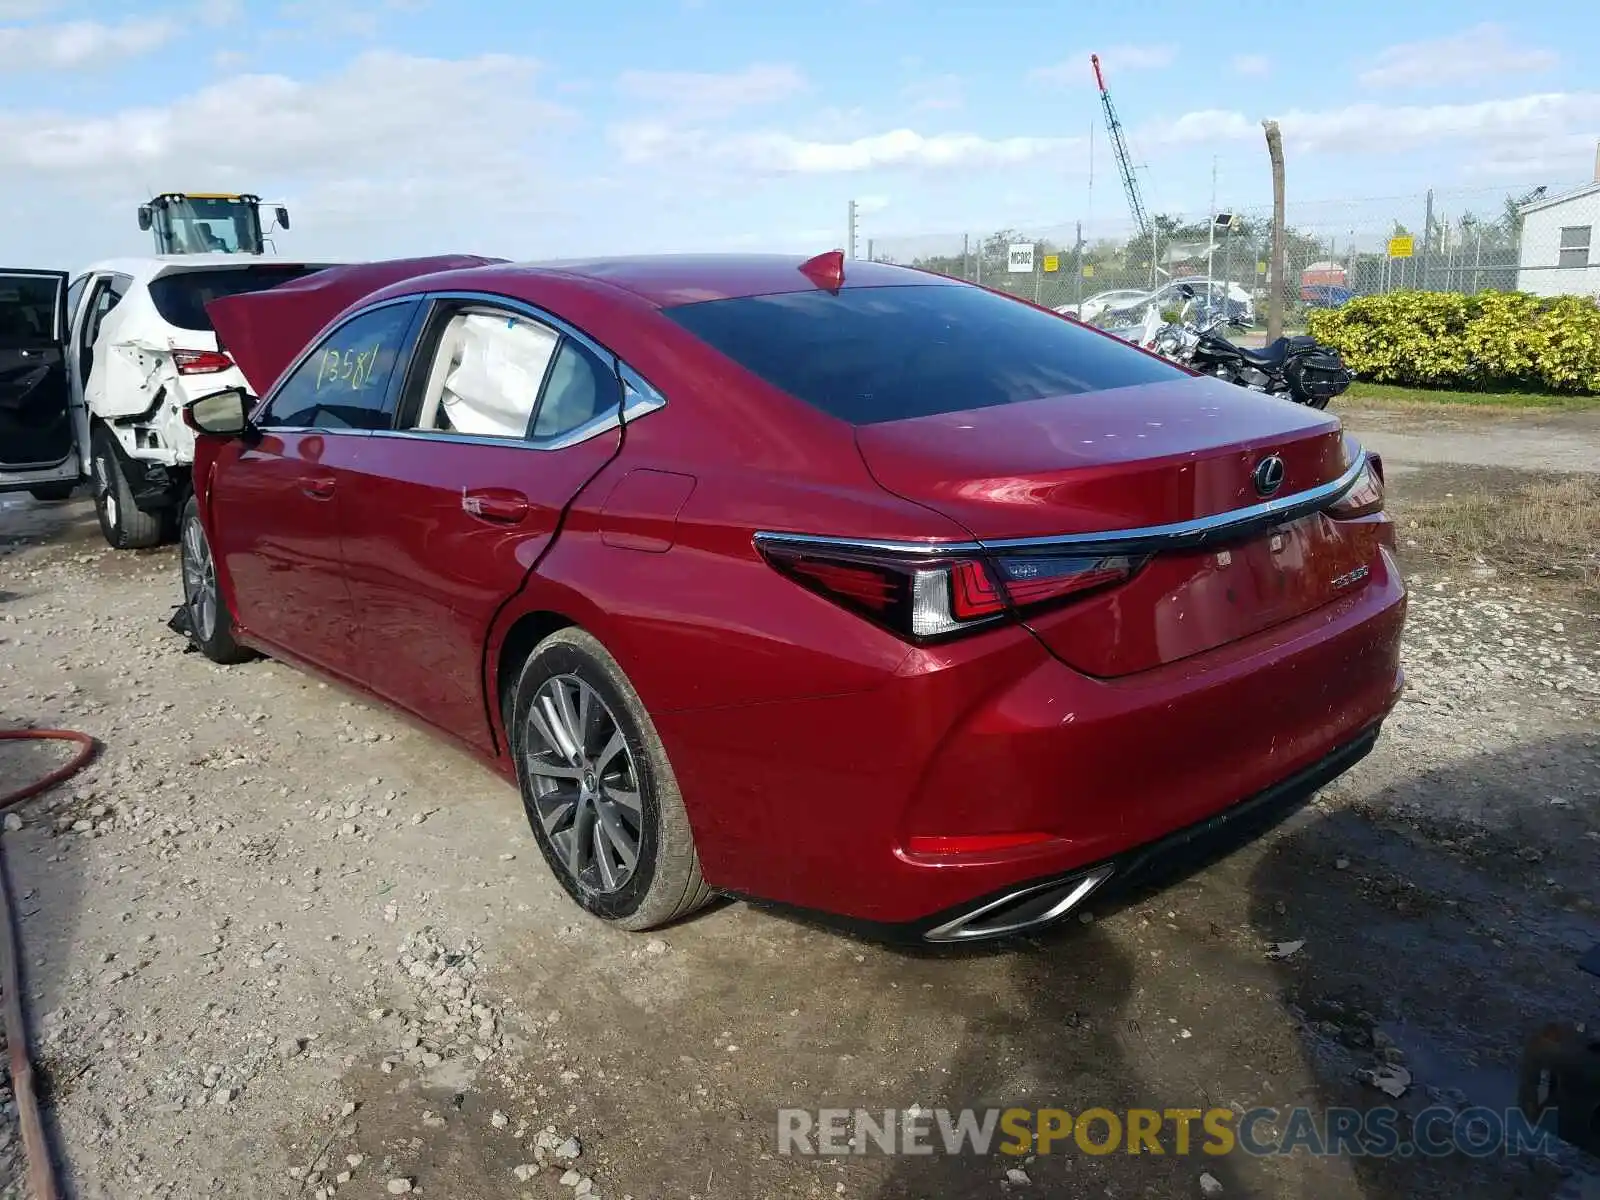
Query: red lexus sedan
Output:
(831,584)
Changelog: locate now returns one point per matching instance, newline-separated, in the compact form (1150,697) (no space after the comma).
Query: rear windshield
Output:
(181,299)
(883,354)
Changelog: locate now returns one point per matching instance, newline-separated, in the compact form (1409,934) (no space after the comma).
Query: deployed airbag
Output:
(499,365)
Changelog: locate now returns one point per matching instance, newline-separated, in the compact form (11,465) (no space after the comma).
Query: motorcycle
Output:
(1298,367)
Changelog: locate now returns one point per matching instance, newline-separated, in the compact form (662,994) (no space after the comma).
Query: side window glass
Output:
(74,294)
(344,382)
(106,296)
(580,388)
(485,375)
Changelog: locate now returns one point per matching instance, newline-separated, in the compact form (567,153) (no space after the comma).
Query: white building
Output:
(1560,250)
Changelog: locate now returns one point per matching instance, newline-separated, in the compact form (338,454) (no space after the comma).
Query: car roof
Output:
(142,269)
(264,330)
(668,280)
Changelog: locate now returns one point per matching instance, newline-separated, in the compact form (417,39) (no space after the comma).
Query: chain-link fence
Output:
(1462,241)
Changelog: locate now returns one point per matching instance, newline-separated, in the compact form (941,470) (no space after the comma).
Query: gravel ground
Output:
(280,943)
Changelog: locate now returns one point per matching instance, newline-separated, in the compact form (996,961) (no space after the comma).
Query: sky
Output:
(531,129)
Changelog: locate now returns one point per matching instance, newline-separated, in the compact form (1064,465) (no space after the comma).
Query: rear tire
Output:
(612,796)
(210,621)
(53,493)
(123,524)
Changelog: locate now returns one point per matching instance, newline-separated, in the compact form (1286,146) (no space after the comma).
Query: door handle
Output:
(318,487)
(498,506)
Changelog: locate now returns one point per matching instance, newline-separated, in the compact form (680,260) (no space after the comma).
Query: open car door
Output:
(38,450)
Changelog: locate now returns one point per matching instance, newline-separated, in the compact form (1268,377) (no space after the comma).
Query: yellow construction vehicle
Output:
(208,222)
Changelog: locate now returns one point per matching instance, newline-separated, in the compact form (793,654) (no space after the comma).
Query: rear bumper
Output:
(828,804)
(1033,904)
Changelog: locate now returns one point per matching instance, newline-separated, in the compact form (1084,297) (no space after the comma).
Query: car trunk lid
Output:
(1079,474)
(266,330)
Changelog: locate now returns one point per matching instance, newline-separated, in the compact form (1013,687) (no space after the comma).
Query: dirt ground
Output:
(280,943)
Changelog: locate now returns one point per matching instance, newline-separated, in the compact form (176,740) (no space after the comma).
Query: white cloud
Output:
(1560,157)
(943,93)
(759,83)
(1076,70)
(1550,130)
(772,152)
(1252,65)
(217,13)
(340,21)
(1553,127)
(359,21)
(70,44)
(1197,128)
(1480,53)
(381,114)
(1374,129)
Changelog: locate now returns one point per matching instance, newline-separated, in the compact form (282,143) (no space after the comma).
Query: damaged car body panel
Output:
(134,344)
(156,351)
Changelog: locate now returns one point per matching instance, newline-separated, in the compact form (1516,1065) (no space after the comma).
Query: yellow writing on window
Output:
(352,368)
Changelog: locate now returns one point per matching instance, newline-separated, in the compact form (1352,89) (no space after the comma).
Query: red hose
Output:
(86,749)
(35,1145)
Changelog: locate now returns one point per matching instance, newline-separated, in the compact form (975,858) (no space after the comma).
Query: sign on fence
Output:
(1019,258)
(1052,262)
(1401,247)
(1088,270)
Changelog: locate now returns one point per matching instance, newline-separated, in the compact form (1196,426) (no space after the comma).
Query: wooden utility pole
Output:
(1275,269)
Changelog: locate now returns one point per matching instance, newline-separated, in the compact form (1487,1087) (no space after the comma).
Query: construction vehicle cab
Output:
(207,223)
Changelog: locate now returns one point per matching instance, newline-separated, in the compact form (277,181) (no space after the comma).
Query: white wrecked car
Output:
(94,374)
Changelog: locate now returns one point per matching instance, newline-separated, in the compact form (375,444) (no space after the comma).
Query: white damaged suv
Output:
(94,374)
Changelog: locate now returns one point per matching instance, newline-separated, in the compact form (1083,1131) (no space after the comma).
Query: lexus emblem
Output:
(1268,475)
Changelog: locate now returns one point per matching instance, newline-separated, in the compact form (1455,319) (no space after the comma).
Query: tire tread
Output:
(135,529)
(678,887)
(220,648)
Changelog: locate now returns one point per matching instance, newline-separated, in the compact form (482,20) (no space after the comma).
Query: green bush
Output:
(1491,341)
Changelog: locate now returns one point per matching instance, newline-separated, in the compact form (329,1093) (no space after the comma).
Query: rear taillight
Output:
(926,598)
(1365,497)
(200,362)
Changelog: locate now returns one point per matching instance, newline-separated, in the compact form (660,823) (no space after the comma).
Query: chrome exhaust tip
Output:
(1025,908)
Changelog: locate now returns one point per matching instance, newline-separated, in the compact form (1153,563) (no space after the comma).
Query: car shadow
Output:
(1084,1030)
(1435,924)
(1072,1036)
(1442,920)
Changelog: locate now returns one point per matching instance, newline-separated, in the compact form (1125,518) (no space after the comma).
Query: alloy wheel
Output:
(199,581)
(585,784)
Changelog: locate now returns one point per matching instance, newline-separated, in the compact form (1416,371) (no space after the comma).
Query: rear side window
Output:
(884,354)
(181,299)
(580,388)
